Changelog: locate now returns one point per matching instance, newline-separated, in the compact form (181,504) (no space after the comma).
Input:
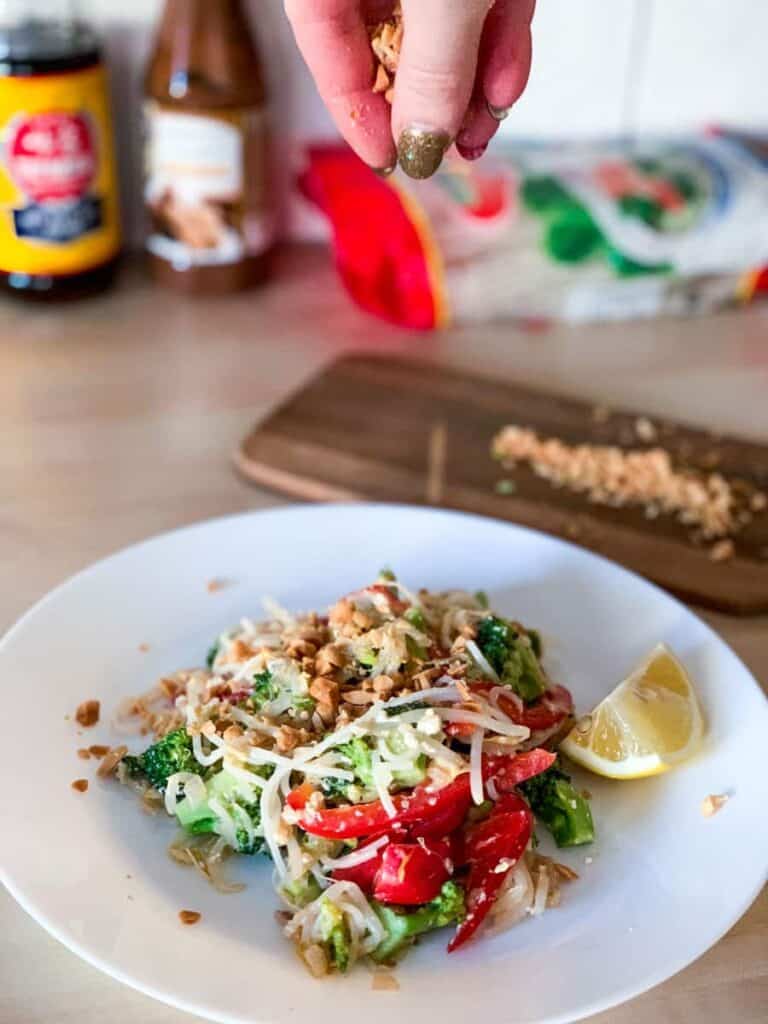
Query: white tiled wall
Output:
(600,66)
(707,60)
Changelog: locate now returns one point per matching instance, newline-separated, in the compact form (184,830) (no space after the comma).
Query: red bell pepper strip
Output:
(553,707)
(298,798)
(422,813)
(359,820)
(446,822)
(412,873)
(492,848)
(507,772)
(363,874)
(397,606)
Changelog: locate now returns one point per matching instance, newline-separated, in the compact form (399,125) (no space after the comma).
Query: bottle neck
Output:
(44,37)
(205,54)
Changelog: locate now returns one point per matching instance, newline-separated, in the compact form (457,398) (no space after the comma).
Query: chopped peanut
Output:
(614,476)
(87,713)
(110,761)
(711,804)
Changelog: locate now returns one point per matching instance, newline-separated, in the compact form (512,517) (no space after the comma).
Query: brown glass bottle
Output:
(59,217)
(210,218)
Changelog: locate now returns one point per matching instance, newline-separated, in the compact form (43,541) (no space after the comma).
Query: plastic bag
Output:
(577,232)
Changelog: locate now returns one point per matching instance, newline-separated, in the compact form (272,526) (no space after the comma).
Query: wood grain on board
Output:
(404,431)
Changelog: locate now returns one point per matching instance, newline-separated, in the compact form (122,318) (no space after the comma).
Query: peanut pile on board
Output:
(386,40)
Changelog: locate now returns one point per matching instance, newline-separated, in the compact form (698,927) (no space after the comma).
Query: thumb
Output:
(435,78)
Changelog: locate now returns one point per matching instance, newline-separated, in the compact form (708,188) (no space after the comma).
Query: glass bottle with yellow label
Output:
(59,216)
(210,212)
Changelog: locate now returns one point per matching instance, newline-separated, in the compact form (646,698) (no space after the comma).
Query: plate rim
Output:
(611,1000)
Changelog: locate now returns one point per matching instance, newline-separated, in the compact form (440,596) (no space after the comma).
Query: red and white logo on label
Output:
(51,156)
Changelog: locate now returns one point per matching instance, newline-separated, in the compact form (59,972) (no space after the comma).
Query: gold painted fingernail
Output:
(421,150)
(498,113)
(384,172)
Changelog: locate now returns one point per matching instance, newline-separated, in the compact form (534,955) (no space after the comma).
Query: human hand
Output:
(463,64)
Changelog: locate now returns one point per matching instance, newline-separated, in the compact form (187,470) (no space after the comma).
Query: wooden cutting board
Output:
(403,431)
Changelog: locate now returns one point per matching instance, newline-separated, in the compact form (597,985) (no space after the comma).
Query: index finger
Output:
(333,40)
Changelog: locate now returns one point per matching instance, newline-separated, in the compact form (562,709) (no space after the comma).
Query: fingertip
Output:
(471,153)
(364,120)
(506,72)
(478,129)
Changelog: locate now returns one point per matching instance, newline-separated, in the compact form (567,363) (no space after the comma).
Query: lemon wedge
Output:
(650,723)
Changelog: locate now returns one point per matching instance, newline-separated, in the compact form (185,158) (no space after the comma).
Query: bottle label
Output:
(58,193)
(205,186)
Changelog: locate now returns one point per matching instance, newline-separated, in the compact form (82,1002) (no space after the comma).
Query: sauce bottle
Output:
(59,216)
(211,225)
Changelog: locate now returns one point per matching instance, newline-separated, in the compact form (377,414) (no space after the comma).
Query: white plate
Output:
(663,885)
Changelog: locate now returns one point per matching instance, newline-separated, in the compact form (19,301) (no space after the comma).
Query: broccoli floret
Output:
(361,763)
(555,801)
(334,933)
(367,659)
(304,704)
(404,926)
(406,775)
(535,637)
(264,689)
(482,599)
(301,892)
(416,618)
(359,753)
(213,650)
(512,656)
(173,753)
(415,649)
(200,819)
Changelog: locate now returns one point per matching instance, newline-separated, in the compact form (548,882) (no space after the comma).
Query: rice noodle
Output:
(295,857)
(360,856)
(205,856)
(206,760)
(365,929)
(481,661)
(252,722)
(542,891)
(514,900)
(506,728)
(186,783)
(509,696)
(280,614)
(476,766)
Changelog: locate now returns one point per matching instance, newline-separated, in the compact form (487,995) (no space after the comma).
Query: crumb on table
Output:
(215,585)
(722,551)
(87,713)
(713,803)
(189,916)
(383,981)
(110,760)
(80,785)
(645,429)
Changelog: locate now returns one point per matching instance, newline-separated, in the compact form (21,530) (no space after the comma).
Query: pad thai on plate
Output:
(393,758)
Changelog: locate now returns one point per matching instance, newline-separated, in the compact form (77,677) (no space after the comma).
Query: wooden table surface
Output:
(117,420)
